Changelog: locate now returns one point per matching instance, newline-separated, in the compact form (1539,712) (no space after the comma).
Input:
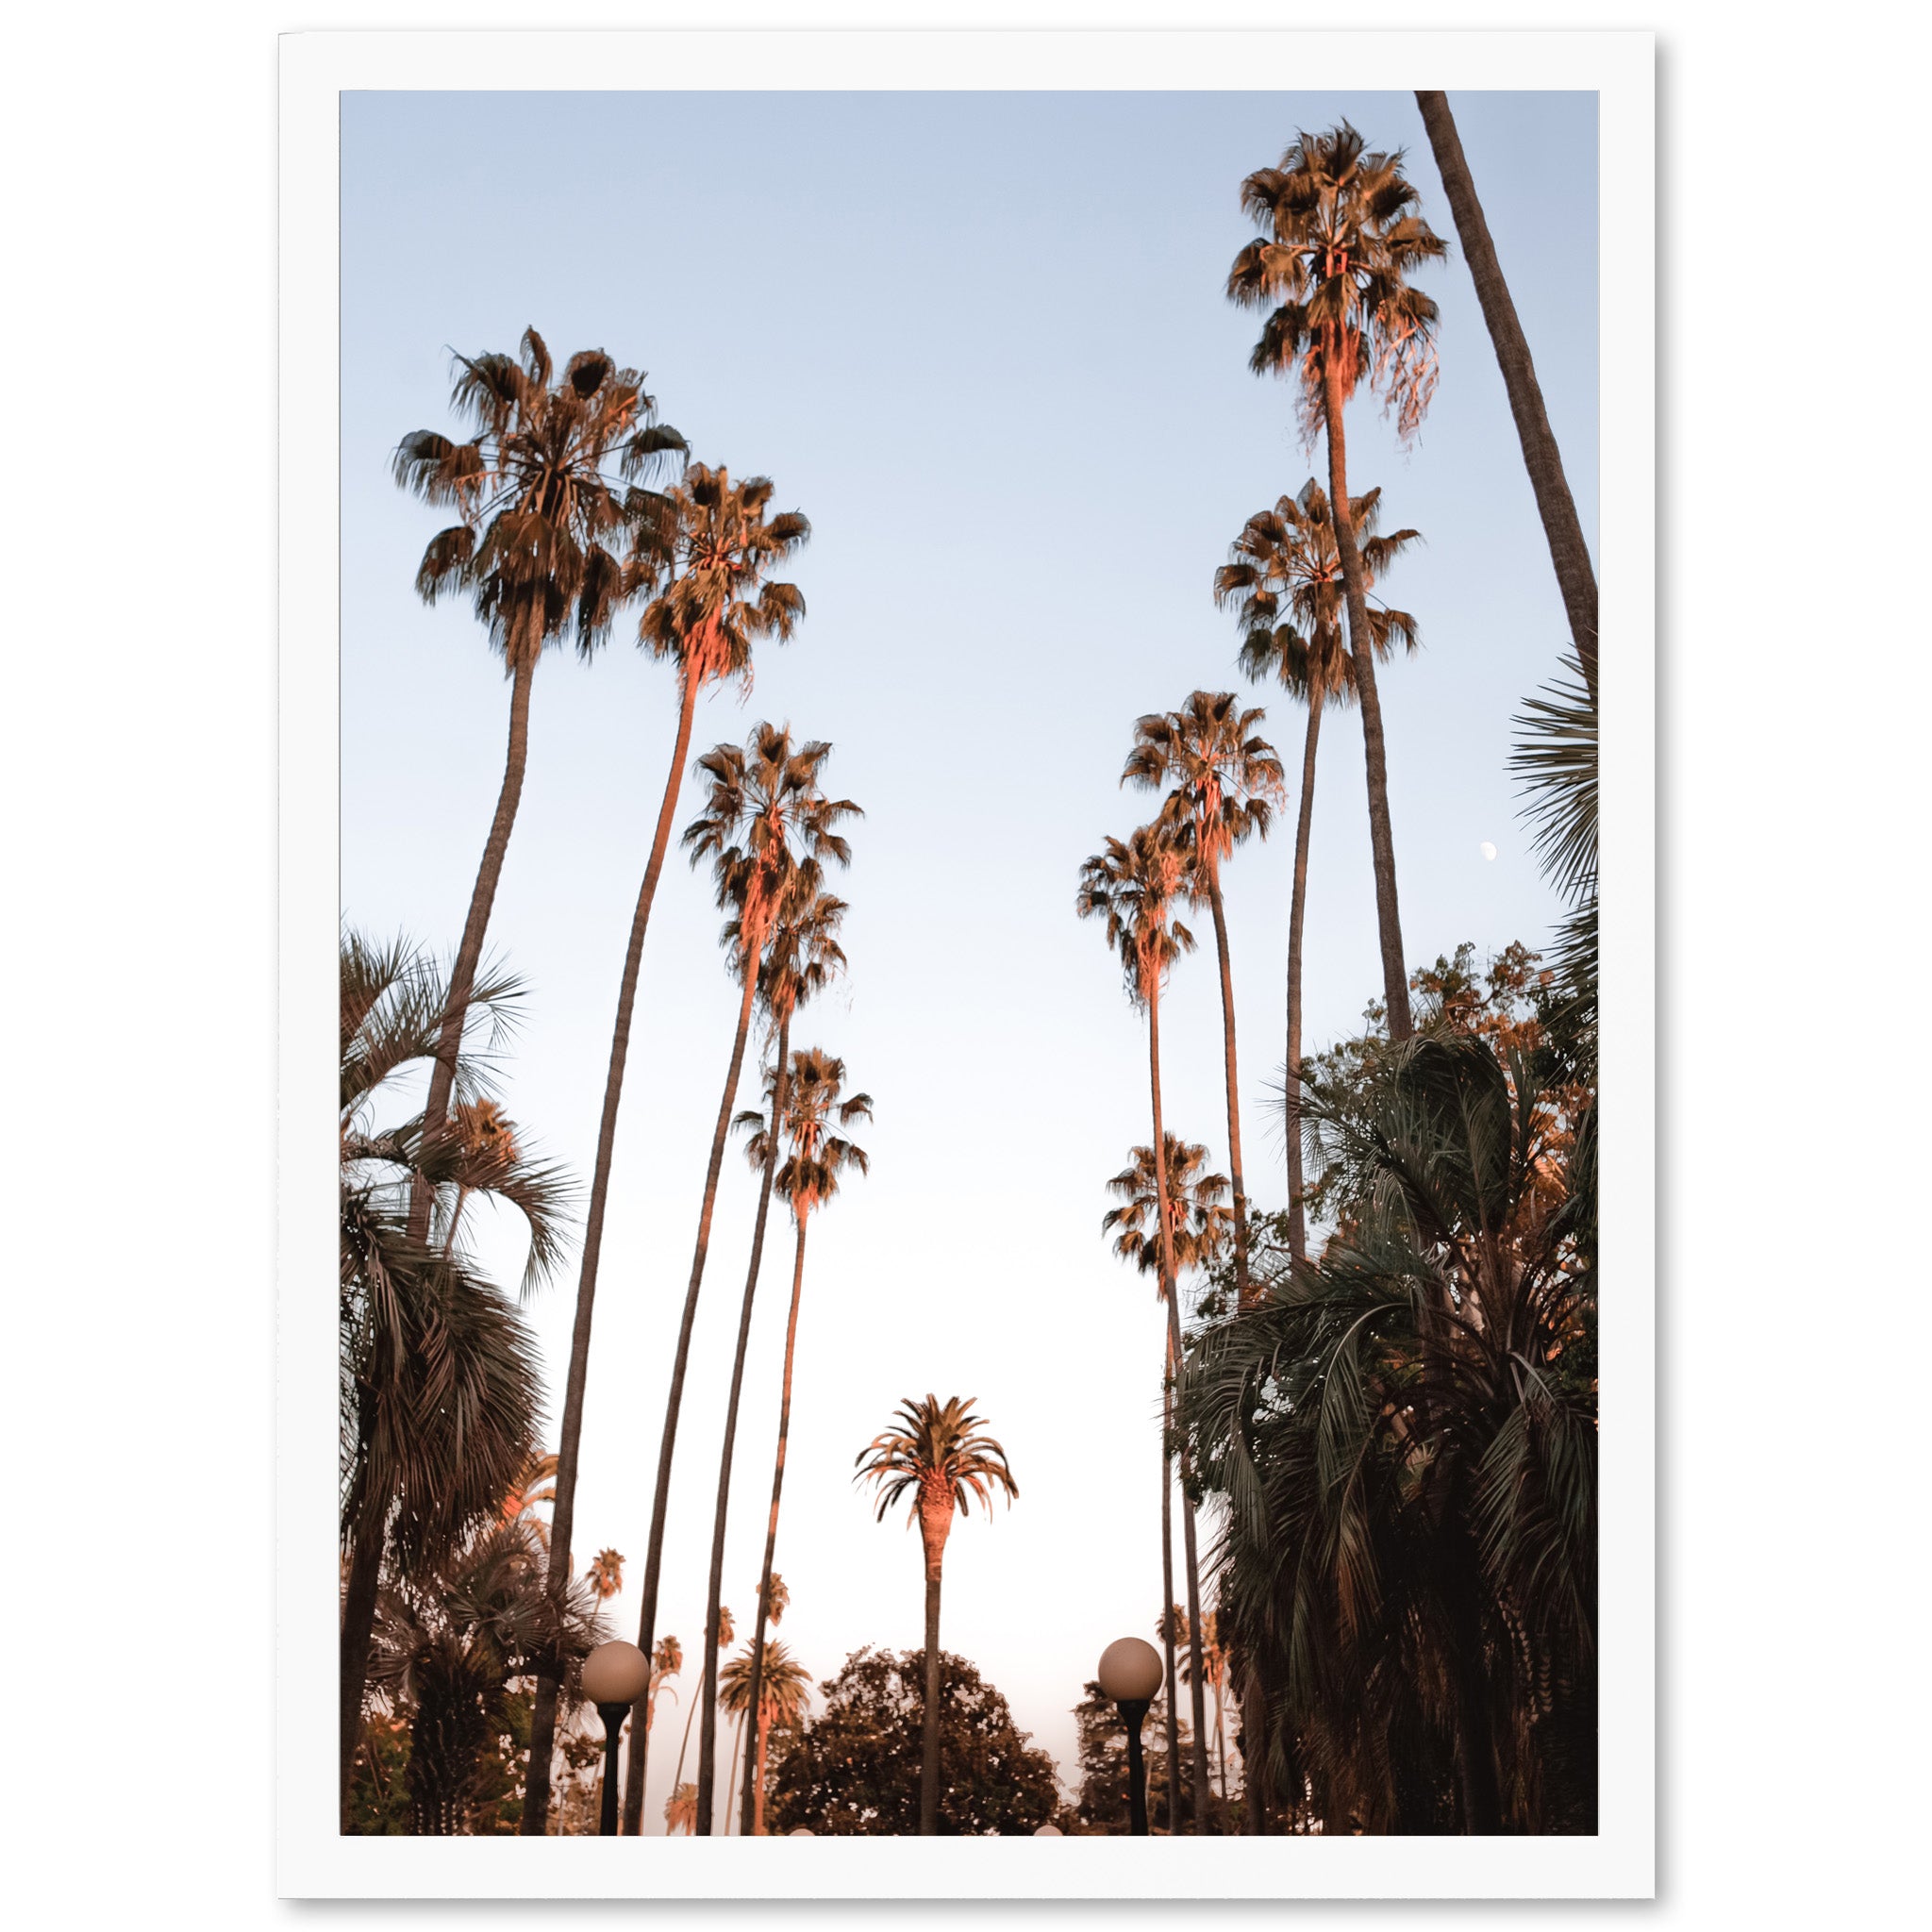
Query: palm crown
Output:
(809,1175)
(936,1450)
(1132,885)
(784,1684)
(767,828)
(1198,1223)
(1341,239)
(542,519)
(1283,580)
(709,548)
(1223,777)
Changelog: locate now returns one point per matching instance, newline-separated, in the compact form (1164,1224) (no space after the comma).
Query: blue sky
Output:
(980,340)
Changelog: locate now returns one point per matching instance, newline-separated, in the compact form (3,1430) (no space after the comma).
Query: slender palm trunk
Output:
(359,1625)
(731,1787)
(462,977)
(677,1775)
(653,1555)
(708,1731)
(1197,1687)
(1172,1681)
(1254,1741)
(563,1511)
(934,1530)
(1297,914)
(758,1652)
(1562,530)
(1220,1744)
(1361,651)
(757,1789)
(1244,1293)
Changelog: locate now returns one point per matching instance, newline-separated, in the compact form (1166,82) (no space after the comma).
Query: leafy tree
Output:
(1132,886)
(770,832)
(940,1456)
(1223,780)
(813,1101)
(538,548)
(857,1769)
(440,1387)
(1283,577)
(1341,240)
(778,1688)
(1562,530)
(709,550)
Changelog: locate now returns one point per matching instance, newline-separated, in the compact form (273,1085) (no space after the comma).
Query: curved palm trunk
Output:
(757,1653)
(1361,651)
(1297,912)
(935,1522)
(677,1775)
(755,1793)
(358,1626)
(1562,530)
(708,1731)
(653,1555)
(563,1511)
(1193,1567)
(1244,1291)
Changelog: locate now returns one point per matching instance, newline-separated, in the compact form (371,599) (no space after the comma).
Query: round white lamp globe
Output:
(801,1832)
(616,1673)
(1049,1831)
(1130,1669)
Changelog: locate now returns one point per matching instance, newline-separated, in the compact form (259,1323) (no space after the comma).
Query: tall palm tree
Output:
(770,832)
(1198,1223)
(440,1391)
(1224,780)
(1283,577)
(814,1102)
(777,1687)
(606,1576)
(539,549)
(710,549)
(667,1661)
(1214,1661)
(800,957)
(1555,506)
(1341,239)
(1134,886)
(939,1453)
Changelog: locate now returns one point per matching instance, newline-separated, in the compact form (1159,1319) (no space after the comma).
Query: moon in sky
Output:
(1489,851)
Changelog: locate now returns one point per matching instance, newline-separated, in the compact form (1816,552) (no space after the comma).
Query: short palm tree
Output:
(814,1102)
(1341,239)
(681,1810)
(440,1390)
(1283,578)
(1562,530)
(778,1688)
(667,1661)
(709,548)
(937,1454)
(770,832)
(800,958)
(606,1576)
(727,1632)
(1223,779)
(538,547)
(1134,887)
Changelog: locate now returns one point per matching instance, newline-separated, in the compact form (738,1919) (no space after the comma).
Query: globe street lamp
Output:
(1049,1831)
(801,1832)
(1130,1672)
(615,1676)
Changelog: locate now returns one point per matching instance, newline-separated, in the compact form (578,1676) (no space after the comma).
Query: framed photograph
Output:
(991,993)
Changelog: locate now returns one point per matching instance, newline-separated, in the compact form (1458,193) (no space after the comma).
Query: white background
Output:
(141,780)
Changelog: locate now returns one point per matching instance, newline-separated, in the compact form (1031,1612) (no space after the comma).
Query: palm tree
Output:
(606,1576)
(770,830)
(440,1390)
(1341,239)
(489,1137)
(810,1178)
(800,958)
(777,1687)
(1562,530)
(681,1810)
(727,1632)
(940,1454)
(711,551)
(1224,780)
(1214,1661)
(667,1661)
(1284,566)
(449,1642)
(532,1488)
(1133,887)
(1198,1224)
(536,549)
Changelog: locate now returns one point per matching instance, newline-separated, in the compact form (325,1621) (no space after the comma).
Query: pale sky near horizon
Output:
(980,340)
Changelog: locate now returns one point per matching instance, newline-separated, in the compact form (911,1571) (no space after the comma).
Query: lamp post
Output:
(1130,1672)
(615,1676)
